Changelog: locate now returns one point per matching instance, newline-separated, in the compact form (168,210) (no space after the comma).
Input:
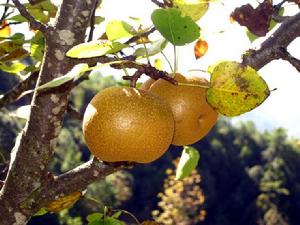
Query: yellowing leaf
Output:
(117,29)
(64,202)
(192,8)
(236,89)
(12,68)
(13,55)
(95,48)
(74,73)
(158,64)
(200,48)
(5,30)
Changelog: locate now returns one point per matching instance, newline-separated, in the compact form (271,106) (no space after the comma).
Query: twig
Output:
(145,34)
(133,79)
(4,12)
(146,69)
(12,95)
(34,24)
(158,3)
(73,112)
(92,23)
(165,4)
(285,55)
(8,24)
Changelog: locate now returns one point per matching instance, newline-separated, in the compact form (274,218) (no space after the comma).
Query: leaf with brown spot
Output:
(236,89)
(256,20)
(64,202)
(13,55)
(200,48)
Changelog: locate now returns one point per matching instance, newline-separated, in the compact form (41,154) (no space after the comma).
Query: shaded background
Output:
(245,176)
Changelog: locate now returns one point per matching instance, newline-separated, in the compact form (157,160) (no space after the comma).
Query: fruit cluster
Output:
(139,125)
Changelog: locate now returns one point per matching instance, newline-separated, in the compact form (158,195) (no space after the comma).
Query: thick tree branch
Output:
(80,177)
(34,24)
(12,95)
(271,49)
(33,151)
(76,179)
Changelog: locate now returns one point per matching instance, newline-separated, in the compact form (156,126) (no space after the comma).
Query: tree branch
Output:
(92,23)
(4,14)
(285,55)
(146,69)
(135,38)
(271,49)
(34,24)
(73,112)
(74,180)
(12,95)
(33,150)
(80,177)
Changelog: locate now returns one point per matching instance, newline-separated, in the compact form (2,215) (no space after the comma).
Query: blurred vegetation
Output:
(247,177)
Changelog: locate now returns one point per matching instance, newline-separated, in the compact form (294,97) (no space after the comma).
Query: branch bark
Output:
(34,147)
(12,95)
(34,24)
(271,49)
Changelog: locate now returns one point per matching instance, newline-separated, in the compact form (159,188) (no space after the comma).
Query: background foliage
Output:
(244,177)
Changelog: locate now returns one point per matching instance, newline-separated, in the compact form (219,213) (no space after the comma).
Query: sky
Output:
(227,41)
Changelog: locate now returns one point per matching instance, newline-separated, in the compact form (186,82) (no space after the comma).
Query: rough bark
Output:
(275,46)
(34,147)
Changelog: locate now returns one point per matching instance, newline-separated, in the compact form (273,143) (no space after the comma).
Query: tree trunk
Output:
(28,176)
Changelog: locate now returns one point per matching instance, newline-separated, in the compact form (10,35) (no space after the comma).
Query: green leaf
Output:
(117,214)
(96,222)
(155,48)
(41,212)
(73,74)
(175,28)
(252,37)
(37,44)
(188,162)
(195,9)
(13,68)
(236,89)
(112,221)
(95,49)
(117,29)
(18,38)
(99,19)
(94,216)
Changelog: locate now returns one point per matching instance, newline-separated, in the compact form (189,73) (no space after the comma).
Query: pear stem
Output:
(194,85)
